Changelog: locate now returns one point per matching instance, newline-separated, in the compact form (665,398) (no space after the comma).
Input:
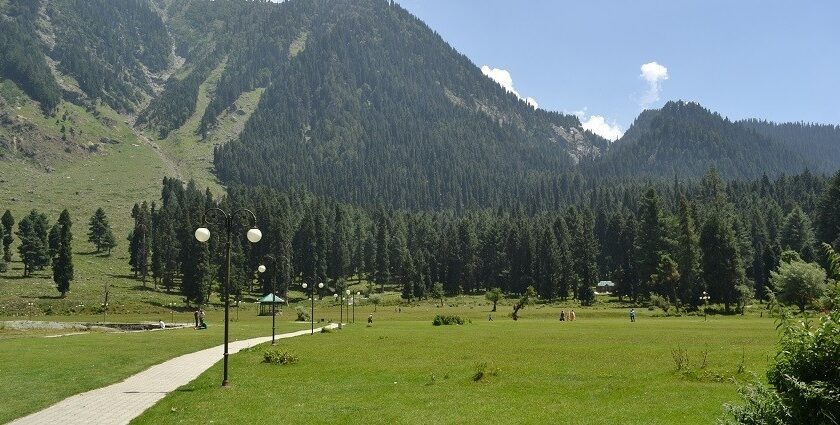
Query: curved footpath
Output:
(121,402)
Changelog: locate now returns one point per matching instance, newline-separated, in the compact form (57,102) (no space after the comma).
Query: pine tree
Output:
(797,234)
(383,264)
(8,222)
(828,213)
(98,230)
(688,257)
(585,252)
(548,267)
(723,271)
(63,260)
(651,240)
(34,244)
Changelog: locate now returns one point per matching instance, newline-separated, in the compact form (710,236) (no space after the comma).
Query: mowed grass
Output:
(38,372)
(601,369)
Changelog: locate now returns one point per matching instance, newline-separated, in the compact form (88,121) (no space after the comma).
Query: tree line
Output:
(669,241)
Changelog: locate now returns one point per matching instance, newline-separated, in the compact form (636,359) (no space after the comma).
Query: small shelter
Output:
(605,287)
(267,301)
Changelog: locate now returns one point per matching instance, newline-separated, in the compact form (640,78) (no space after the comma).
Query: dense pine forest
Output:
(668,242)
(377,151)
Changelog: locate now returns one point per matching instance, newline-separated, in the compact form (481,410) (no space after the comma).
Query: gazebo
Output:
(605,286)
(266,303)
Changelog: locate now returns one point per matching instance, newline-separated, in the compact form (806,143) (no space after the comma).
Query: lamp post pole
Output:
(312,305)
(705,299)
(202,234)
(273,277)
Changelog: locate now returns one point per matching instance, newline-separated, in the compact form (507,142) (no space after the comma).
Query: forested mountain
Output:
(684,139)
(819,144)
(367,104)
(355,100)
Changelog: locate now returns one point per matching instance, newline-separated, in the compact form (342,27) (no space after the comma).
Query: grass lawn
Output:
(38,371)
(599,369)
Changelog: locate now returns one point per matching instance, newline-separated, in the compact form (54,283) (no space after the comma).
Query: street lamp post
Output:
(272,277)
(227,221)
(30,305)
(705,299)
(312,305)
(354,305)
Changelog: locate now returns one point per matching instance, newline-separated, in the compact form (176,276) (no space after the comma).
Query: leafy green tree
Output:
(493,295)
(526,299)
(63,261)
(8,222)
(437,292)
(799,283)
(667,277)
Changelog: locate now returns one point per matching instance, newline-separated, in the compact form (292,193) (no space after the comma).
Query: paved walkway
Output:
(121,402)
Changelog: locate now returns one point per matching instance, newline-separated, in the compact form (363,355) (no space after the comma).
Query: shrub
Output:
(277,357)
(302,314)
(483,370)
(659,301)
(804,381)
(325,330)
(442,319)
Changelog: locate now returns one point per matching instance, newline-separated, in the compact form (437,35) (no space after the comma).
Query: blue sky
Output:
(743,58)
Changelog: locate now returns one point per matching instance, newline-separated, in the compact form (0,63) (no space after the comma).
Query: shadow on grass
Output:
(50,297)
(121,276)
(144,288)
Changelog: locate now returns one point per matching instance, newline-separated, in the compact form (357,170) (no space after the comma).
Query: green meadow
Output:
(600,369)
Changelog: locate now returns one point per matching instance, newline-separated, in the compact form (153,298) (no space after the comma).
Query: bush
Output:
(661,302)
(442,319)
(302,314)
(278,357)
(483,370)
(804,380)
(325,330)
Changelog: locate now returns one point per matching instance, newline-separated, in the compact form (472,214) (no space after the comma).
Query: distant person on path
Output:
(200,316)
(562,316)
(489,317)
(370,319)
(161,324)
(632,314)
(195,314)
(572,316)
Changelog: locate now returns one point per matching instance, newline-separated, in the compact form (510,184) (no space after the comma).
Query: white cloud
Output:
(654,74)
(503,78)
(598,124)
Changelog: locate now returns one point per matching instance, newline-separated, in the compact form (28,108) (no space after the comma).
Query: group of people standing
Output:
(570,317)
(199,319)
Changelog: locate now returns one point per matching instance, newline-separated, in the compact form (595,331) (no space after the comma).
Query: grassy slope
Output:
(114,179)
(600,369)
(41,371)
(194,157)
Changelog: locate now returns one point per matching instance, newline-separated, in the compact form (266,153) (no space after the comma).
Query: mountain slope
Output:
(684,139)
(376,107)
(819,144)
